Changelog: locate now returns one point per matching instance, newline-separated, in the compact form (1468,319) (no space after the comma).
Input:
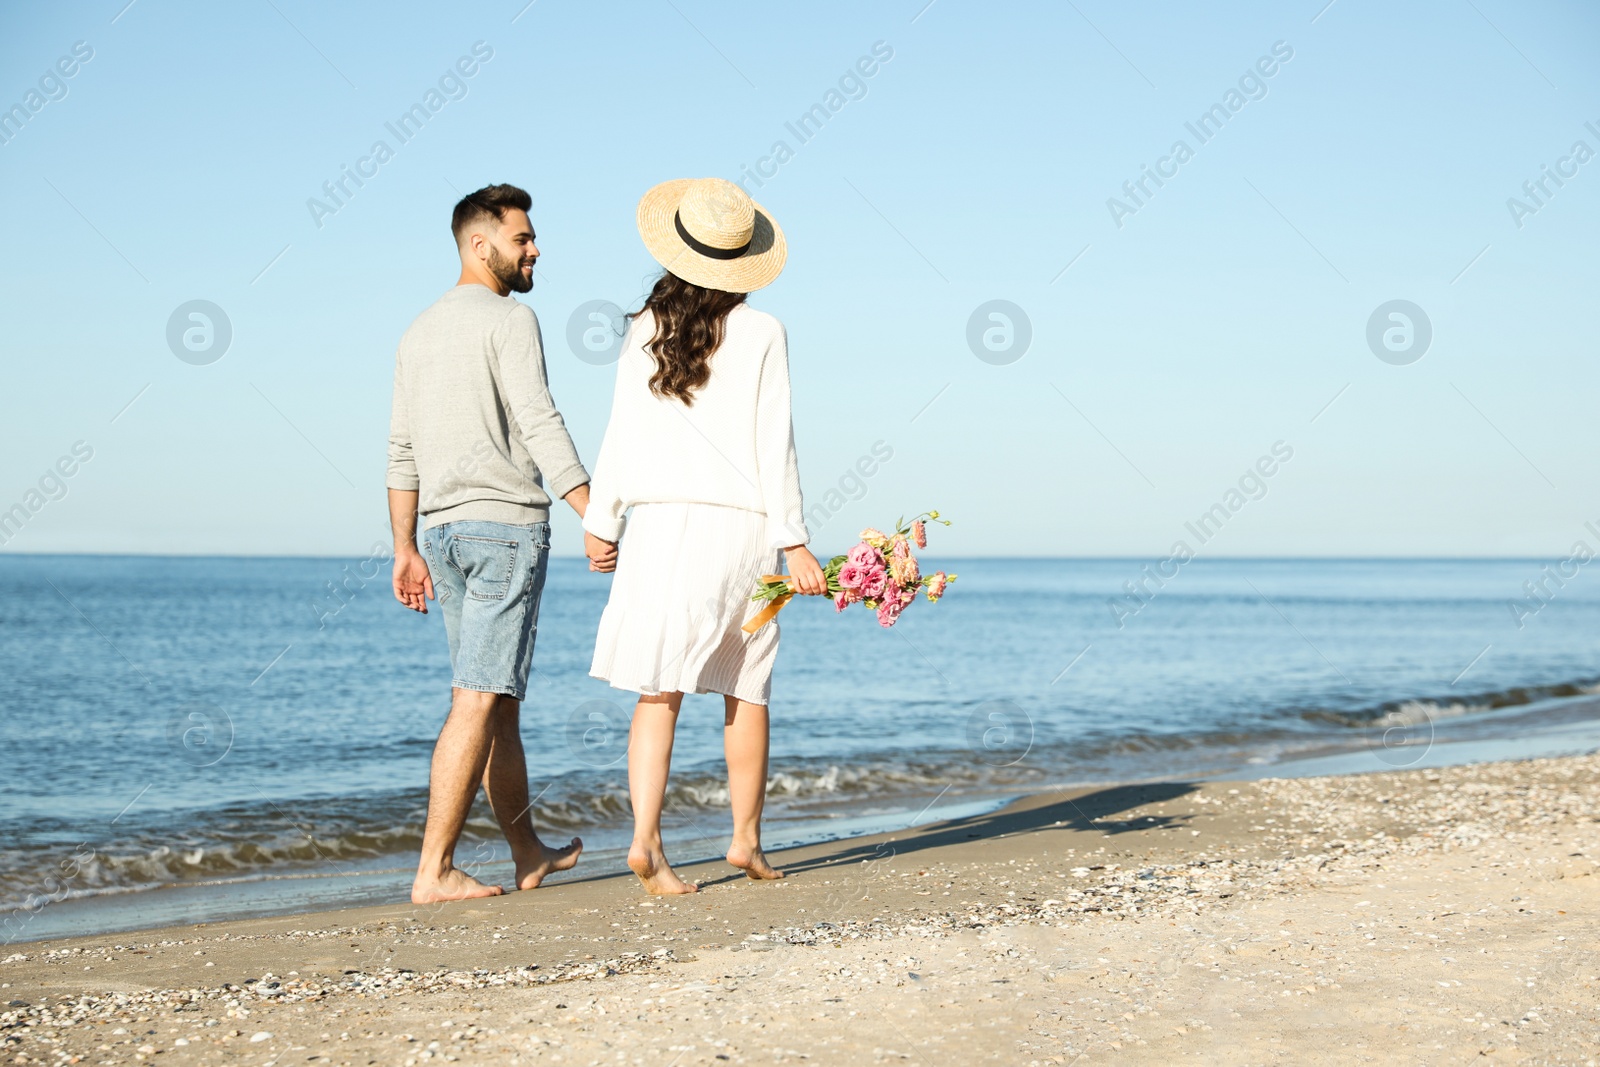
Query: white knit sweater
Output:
(734,446)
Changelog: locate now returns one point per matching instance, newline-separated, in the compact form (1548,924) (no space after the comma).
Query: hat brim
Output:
(757,268)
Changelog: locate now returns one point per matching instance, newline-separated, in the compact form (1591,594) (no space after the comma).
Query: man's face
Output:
(512,252)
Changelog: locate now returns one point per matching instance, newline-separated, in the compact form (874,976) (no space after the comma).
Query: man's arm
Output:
(413,585)
(578,499)
(526,391)
(522,375)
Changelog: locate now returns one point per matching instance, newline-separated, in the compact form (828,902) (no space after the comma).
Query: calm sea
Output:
(196,738)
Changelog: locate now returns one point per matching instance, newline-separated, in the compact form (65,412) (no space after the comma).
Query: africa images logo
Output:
(51,86)
(1252,85)
(452,85)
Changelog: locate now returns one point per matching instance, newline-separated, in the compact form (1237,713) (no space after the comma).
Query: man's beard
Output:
(508,272)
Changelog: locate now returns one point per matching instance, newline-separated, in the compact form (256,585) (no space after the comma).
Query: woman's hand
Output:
(602,553)
(805,573)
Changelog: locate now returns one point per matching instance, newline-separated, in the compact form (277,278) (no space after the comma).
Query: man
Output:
(474,440)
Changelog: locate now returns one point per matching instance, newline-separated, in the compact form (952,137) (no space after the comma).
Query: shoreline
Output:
(224,900)
(1540,729)
(1285,913)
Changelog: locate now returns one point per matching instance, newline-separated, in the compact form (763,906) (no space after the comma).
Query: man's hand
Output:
(413,585)
(805,573)
(602,553)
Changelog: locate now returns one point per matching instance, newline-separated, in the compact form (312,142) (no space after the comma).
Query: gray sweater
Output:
(473,429)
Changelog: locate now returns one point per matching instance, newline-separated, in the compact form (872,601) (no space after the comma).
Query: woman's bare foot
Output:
(651,867)
(451,885)
(753,862)
(532,868)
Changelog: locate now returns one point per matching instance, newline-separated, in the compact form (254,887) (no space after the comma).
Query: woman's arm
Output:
(603,520)
(777,468)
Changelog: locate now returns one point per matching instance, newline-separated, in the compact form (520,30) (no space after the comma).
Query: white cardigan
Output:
(734,446)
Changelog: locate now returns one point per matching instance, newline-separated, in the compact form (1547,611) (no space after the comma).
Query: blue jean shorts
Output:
(487,580)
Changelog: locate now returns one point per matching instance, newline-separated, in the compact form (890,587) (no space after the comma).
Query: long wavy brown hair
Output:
(689,323)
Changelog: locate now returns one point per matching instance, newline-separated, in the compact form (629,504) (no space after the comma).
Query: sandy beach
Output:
(1424,916)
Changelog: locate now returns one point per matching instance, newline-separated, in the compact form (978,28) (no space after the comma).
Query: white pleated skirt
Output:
(679,599)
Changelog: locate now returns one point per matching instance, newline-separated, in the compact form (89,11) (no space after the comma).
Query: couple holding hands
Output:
(698,462)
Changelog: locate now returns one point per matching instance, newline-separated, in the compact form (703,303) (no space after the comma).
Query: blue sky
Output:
(1168,354)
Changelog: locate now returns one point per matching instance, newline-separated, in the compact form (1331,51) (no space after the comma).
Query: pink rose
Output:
(841,601)
(873,582)
(936,585)
(919,532)
(889,611)
(850,575)
(864,555)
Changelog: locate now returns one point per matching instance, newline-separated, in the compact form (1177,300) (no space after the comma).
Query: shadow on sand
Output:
(1093,811)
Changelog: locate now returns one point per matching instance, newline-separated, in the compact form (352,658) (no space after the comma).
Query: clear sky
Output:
(1367,154)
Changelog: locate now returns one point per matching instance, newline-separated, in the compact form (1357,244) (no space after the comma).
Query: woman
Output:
(701,448)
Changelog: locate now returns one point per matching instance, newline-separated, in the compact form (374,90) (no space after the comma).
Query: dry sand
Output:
(1421,917)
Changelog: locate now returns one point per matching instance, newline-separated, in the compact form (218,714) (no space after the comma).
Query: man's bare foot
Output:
(651,867)
(753,862)
(452,885)
(532,869)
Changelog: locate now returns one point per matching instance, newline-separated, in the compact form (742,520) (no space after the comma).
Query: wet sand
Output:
(1424,916)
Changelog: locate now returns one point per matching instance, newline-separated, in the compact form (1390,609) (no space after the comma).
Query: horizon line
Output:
(1089,558)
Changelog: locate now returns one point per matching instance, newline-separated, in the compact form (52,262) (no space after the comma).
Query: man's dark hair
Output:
(492,201)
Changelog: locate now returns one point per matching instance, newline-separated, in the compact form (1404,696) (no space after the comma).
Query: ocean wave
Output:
(141,863)
(1417,712)
(1414,711)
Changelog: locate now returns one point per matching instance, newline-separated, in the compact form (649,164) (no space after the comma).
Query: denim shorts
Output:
(487,579)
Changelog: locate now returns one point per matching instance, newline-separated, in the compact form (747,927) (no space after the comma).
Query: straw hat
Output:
(710,233)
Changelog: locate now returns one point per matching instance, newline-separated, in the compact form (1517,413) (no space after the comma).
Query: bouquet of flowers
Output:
(880,573)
